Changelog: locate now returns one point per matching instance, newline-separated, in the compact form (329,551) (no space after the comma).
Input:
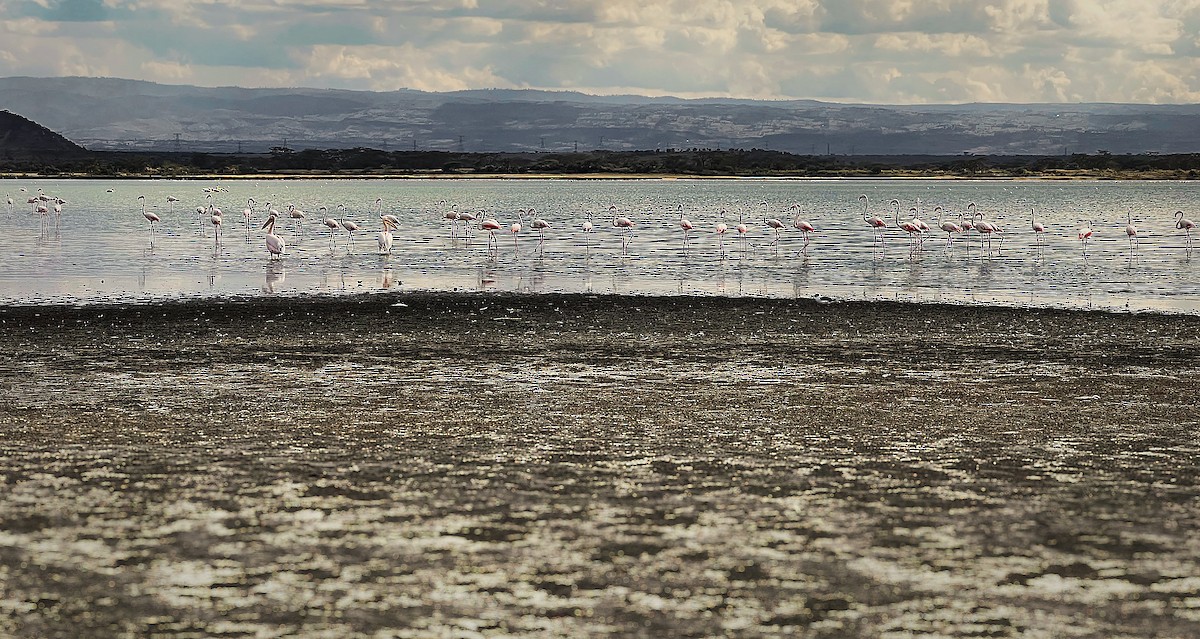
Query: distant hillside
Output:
(113,114)
(22,140)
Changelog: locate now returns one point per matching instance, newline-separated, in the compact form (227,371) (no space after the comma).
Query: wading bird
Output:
(384,238)
(876,223)
(1131,231)
(150,216)
(1185,225)
(275,244)
(804,226)
(623,223)
(686,225)
(491,225)
(1085,234)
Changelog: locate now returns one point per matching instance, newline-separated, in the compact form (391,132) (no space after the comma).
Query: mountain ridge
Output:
(124,114)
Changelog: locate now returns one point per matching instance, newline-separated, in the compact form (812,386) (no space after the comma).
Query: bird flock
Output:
(989,232)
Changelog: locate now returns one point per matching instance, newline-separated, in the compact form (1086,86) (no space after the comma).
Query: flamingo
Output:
(296,214)
(907,226)
(275,244)
(451,215)
(349,225)
(983,228)
(874,221)
(742,230)
(384,238)
(721,229)
(773,223)
(1038,228)
(491,225)
(515,229)
(1131,231)
(1186,226)
(686,225)
(11,207)
(587,230)
(918,222)
(215,218)
(150,216)
(329,223)
(540,226)
(248,212)
(949,227)
(1085,234)
(622,222)
(804,226)
(466,217)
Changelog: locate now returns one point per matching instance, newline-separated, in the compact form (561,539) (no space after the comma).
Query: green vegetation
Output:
(693,162)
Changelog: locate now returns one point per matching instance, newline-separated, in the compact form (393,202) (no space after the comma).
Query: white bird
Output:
(275,244)
(384,238)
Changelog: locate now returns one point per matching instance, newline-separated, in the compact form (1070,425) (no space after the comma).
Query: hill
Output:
(22,139)
(115,114)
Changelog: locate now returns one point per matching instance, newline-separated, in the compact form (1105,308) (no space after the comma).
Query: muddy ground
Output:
(478,465)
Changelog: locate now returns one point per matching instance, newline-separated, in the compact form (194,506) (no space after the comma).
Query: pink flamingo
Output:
(491,225)
(1038,228)
(587,230)
(983,228)
(773,223)
(804,226)
(1185,225)
(349,225)
(721,230)
(515,229)
(150,216)
(466,217)
(876,223)
(215,217)
(248,212)
(949,227)
(1131,231)
(906,226)
(539,225)
(622,222)
(1085,234)
(686,225)
(742,230)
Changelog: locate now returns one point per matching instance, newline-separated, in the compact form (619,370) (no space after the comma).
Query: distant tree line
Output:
(697,162)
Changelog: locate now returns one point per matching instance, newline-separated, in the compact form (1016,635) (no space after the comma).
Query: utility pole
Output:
(577,146)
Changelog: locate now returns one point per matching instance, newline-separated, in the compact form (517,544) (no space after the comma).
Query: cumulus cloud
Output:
(899,51)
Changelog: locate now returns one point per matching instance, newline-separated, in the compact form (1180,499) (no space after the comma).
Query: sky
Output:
(859,51)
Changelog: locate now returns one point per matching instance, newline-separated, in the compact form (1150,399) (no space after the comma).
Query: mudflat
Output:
(479,465)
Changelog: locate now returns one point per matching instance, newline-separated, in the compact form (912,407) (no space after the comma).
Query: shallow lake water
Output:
(100,248)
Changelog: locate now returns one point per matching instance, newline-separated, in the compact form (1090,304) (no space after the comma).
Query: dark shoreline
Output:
(457,464)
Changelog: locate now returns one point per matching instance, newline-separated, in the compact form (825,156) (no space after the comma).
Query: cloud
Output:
(849,50)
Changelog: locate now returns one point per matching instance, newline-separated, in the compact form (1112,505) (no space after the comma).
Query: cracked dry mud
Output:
(448,465)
